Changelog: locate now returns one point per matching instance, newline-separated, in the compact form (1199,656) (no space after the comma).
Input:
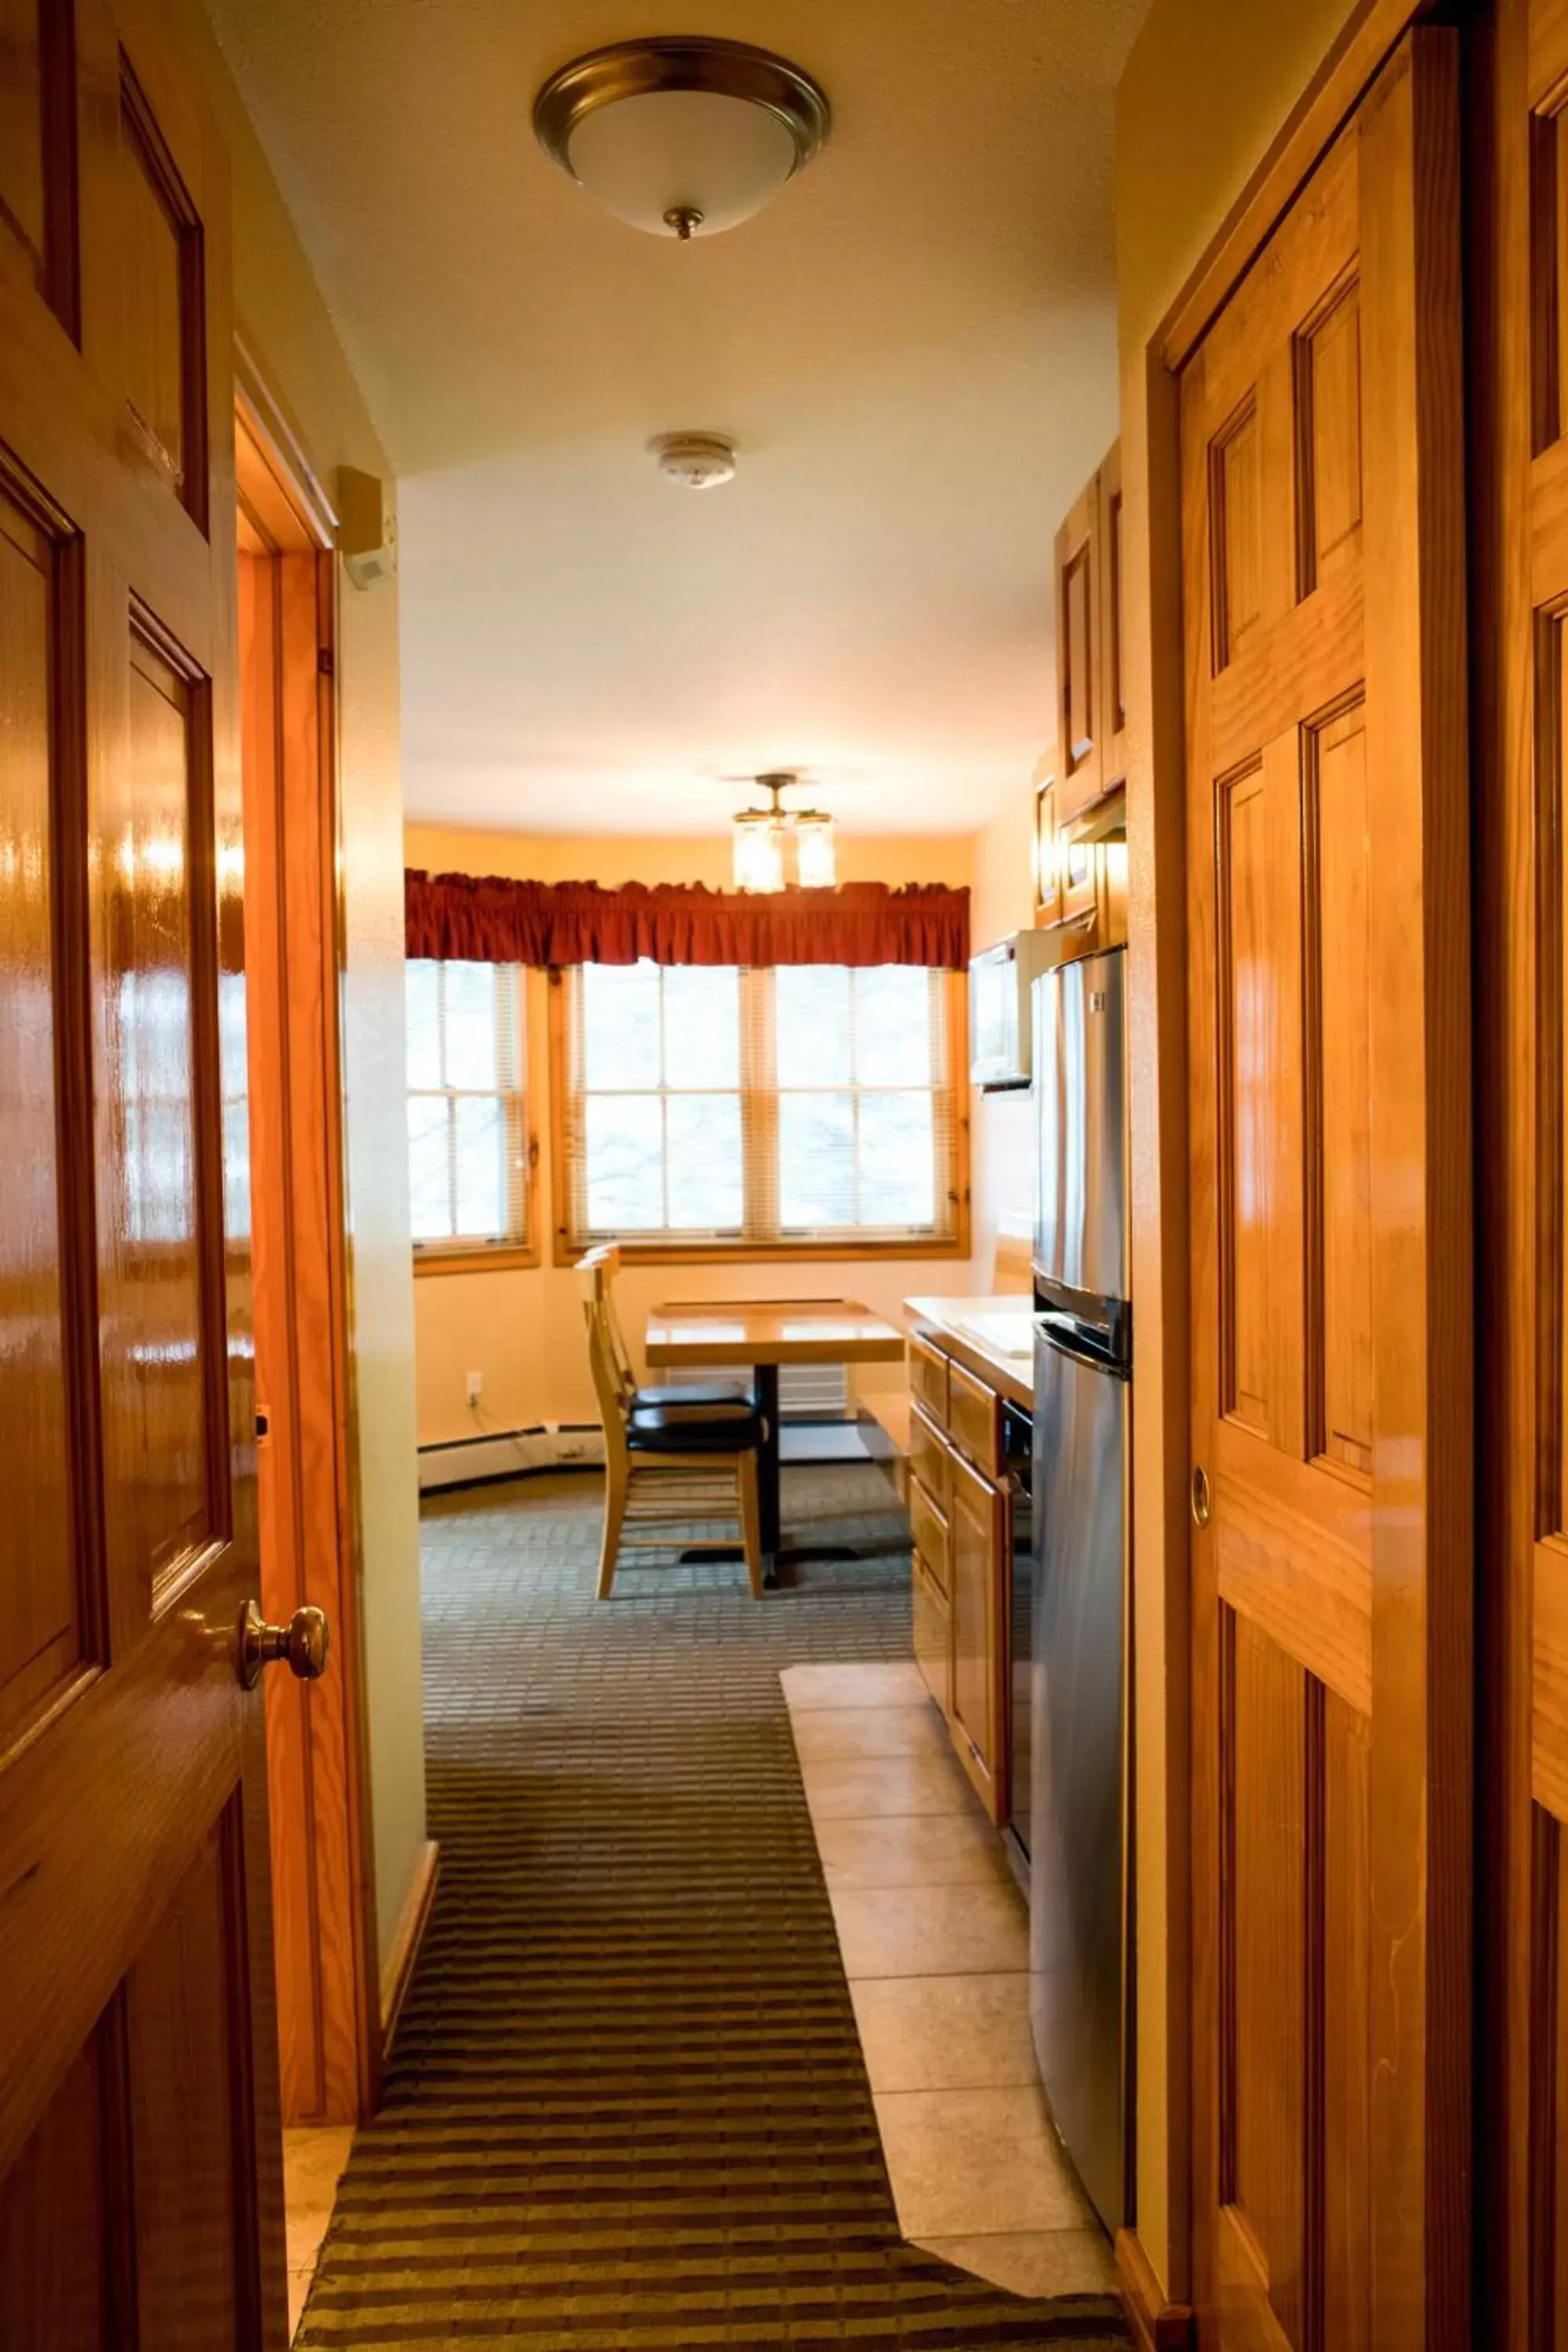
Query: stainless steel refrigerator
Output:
(1080,1879)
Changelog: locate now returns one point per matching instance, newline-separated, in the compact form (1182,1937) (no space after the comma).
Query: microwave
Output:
(1000,981)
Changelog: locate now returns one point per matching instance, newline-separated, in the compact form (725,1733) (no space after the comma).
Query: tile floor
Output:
(935,1943)
(313,2162)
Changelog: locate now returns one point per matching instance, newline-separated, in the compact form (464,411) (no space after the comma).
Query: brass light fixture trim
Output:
(680,61)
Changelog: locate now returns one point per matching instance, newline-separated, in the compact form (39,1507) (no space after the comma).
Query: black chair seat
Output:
(705,1393)
(672,1432)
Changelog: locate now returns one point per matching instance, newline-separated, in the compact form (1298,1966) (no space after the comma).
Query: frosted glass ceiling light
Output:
(816,866)
(681,136)
(760,835)
(758,850)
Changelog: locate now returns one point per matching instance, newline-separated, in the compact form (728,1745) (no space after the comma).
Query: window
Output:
(470,1158)
(709,1107)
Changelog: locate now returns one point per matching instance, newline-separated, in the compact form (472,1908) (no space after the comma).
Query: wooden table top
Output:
(771,1331)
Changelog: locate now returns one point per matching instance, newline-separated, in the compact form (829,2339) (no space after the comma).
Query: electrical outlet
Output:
(476,1387)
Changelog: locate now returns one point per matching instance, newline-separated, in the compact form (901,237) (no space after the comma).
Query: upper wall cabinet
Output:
(1091,717)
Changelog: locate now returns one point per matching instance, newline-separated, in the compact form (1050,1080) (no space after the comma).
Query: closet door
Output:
(1520,321)
(1323,535)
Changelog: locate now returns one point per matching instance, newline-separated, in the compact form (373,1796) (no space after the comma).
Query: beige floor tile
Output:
(945,2033)
(896,1683)
(299,2287)
(977,2163)
(313,2162)
(836,1732)
(1034,2261)
(910,1849)
(931,1931)
(873,1787)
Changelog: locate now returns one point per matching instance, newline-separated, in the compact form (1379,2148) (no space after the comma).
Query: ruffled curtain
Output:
(486,918)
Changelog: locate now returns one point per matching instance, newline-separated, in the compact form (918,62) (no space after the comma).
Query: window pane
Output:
(481,1168)
(702,1026)
(429,1189)
(897,1172)
(811,1025)
(423,985)
(892,1026)
(706,1193)
(816,1168)
(471,1027)
(624,1135)
(620,1024)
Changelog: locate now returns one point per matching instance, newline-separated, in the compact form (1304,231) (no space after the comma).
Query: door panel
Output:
(140,2173)
(1327,824)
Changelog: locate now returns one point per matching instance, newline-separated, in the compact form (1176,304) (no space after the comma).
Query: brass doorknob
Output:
(304,1641)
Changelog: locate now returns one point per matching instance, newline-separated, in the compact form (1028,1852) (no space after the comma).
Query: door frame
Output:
(330,2011)
(1370,33)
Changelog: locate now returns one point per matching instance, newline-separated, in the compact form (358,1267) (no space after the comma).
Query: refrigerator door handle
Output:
(1070,1337)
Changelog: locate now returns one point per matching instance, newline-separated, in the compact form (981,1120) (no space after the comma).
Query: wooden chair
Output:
(664,1468)
(599,1270)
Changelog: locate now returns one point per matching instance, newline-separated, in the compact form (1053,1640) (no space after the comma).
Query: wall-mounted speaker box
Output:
(367,527)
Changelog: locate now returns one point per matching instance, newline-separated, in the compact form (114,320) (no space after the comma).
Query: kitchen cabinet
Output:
(961,1525)
(977,1568)
(1091,713)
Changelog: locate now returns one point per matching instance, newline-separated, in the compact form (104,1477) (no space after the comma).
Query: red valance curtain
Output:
(485,918)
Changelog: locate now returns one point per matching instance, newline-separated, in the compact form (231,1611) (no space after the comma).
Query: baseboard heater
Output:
(580,1445)
(511,1454)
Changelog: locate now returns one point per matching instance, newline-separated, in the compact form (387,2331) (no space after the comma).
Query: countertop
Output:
(995,1337)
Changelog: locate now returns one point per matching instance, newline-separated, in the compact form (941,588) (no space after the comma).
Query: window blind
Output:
(711,1104)
(468,1116)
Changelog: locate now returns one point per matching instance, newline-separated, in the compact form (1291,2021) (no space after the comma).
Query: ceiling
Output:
(914,348)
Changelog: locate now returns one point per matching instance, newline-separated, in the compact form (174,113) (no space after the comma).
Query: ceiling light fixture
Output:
(679,135)
(760,837)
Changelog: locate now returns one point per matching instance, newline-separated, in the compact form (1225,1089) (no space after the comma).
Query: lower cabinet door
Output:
(932,1634)
(977,1560)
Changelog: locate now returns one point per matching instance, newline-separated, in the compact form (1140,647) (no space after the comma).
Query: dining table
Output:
(765,1333)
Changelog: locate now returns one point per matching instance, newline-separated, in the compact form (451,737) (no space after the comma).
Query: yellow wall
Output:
(523,1330)
(286,327)
(1206,88)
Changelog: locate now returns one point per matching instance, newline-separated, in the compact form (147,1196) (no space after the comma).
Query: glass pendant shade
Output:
(759,863)
(681,154)
(816,867)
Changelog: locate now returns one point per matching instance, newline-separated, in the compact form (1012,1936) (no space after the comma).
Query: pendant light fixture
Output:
(759,837)
(681,135)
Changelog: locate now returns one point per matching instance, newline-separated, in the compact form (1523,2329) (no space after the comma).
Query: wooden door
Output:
(976,1539)
(1112,623)
(1519,73)
(139,2171)
(1080,695)
(1323,563)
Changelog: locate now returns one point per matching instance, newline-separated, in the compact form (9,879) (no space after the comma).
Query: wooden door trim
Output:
(1370,34)
(328,1975)
(300,515)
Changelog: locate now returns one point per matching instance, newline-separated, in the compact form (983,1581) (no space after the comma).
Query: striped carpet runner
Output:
(626,2110)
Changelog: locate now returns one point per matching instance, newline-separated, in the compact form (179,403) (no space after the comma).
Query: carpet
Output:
(626,2110)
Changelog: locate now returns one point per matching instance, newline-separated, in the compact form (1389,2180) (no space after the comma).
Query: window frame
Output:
(568,1246)
(449,1256)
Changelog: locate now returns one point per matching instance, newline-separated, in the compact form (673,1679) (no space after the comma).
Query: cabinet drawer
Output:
(932,1634)
(928,1381)
(975,1420)
(927,1457)
(928,1525)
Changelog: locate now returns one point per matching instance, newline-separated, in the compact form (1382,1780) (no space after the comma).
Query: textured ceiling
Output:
(913,346)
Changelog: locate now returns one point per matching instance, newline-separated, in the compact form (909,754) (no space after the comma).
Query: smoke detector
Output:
(698,461)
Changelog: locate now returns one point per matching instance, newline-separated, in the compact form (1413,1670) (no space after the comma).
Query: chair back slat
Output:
(596,1273)
(612,1402)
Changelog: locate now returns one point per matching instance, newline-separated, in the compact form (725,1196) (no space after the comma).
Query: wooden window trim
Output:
(567,1251)
(509,1255)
